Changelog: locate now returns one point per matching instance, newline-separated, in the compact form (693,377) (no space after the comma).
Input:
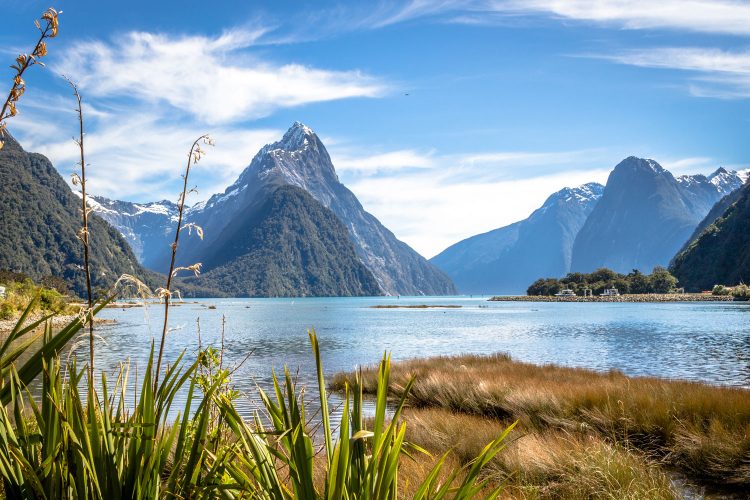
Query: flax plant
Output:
(194,157)
(25,61)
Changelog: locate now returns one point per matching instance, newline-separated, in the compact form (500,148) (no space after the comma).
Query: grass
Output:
(703,431)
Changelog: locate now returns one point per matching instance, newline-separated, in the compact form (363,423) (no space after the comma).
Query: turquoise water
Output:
(709,342)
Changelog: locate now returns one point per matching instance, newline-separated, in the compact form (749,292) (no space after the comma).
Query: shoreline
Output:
(646,297)
(7,325)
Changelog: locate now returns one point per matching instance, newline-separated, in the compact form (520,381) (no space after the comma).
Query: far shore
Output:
(636,297)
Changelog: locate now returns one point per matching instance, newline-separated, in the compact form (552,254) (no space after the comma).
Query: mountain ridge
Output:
(645,215)
(508,259)
(300,159)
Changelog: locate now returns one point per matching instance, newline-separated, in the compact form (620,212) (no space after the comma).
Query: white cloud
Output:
(454,196)
(393,160)
(429,213)
(706,16)
(686,58)
(207,77)
(709,16)
(141,159)
(717,73)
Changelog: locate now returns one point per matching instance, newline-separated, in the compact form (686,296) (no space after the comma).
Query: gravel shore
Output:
(650,297)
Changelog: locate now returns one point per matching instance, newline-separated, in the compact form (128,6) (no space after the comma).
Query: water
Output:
(709,342)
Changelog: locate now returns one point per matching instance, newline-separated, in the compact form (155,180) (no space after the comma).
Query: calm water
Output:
(698,341)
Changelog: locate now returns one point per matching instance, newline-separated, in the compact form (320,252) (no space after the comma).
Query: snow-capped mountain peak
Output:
(581,195)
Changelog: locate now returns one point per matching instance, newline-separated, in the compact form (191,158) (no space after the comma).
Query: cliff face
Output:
(720,254)
(645,215)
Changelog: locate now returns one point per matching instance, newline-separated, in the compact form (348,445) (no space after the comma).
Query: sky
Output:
(447,118)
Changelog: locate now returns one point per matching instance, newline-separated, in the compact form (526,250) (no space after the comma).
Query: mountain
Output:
(721,252)
(716,211)
(147,227)
(299,159)
(508,259)
(645,215)
(291,246)
(40,219)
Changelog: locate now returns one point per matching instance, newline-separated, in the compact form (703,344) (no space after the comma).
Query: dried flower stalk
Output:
(194,156)
(24,62)
(83,233)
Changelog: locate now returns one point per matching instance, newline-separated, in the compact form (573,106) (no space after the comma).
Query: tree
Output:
(661,281)
(639,282)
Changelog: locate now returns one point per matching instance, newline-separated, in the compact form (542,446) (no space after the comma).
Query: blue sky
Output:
(507,101)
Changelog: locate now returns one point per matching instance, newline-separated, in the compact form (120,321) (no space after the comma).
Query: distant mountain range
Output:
(300,160)
(288,227)
(509,259)
(39,223)
(645,215)
(639,220)
(720,253)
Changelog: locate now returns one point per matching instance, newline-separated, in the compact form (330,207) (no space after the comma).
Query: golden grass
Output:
(543,463)
(702,430)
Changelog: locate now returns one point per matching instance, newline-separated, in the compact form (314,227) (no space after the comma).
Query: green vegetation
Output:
(20,290)
(97,446)
(583,434)
(41,217)
(659,281)
(292,246)
(721,253)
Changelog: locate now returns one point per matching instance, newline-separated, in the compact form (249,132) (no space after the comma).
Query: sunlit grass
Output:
(702,430)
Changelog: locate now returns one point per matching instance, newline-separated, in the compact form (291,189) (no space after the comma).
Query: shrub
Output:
(741,292)
(7,311)
(721,290)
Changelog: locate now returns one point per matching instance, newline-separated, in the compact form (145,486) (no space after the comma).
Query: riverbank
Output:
(644,297)
(7,325)
(581,434)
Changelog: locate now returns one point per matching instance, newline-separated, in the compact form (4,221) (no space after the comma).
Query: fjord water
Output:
(707,341)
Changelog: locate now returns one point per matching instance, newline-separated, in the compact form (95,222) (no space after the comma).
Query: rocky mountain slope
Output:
(720,254)
(508,259)
(299,159)
(291,246)
(645,215)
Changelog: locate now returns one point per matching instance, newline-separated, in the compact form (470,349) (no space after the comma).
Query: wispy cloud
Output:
(377,163)
(706,16)
(207,77)
(716,73)
(146,95)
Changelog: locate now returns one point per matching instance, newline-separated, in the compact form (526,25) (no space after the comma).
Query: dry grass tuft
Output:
(702,430)
(543,463)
